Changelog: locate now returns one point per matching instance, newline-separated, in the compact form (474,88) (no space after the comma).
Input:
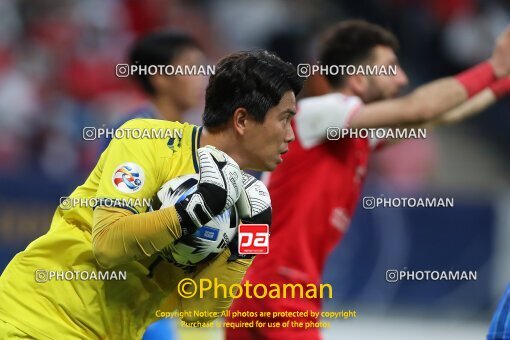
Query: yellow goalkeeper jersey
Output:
(55,289)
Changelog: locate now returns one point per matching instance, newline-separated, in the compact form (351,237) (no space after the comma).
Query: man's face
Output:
(381,87)
(187,91)
(264,143)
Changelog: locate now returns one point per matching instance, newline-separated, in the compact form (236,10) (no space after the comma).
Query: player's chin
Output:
(278,160)
(271,165)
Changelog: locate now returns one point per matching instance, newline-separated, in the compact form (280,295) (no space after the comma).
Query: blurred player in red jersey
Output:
(315,191)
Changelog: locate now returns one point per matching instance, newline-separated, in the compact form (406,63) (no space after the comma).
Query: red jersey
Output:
(314,193)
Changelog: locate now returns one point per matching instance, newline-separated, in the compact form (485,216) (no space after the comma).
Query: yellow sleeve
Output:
(131,175)
(131,170)
(119,236)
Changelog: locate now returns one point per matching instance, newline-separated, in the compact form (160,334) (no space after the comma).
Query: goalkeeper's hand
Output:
(219,187)
(254,207)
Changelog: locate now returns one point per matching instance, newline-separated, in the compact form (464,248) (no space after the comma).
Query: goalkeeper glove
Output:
(219,187)
(254,207)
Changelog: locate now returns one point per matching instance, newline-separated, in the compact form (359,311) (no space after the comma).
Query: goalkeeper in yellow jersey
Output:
(250,101)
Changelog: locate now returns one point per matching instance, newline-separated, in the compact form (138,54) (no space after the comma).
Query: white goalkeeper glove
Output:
(219,187)
(254,207)
(254,204)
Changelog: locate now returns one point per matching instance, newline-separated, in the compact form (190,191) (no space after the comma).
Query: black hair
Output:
(158,48)
(254,80)
(351,42)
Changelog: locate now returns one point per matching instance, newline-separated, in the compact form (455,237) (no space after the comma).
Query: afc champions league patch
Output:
(128,178)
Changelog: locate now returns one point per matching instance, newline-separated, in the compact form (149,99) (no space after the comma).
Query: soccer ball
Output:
(209,240)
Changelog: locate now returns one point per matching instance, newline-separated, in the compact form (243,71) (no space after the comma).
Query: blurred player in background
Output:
(315,191)
(171,97)
(248,120)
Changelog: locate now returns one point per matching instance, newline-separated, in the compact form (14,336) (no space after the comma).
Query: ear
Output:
(240,120)
(358,83)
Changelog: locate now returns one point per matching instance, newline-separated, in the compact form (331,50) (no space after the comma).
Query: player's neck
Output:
(167,110)
(224,141)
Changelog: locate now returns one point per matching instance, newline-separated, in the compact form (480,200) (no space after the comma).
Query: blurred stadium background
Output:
(57,75)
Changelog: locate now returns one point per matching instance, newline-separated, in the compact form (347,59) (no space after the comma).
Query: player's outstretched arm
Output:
(469,108)
(427,103)
(474,105)
(430,101)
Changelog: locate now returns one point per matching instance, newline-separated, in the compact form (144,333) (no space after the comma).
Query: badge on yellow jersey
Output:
(128,178)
